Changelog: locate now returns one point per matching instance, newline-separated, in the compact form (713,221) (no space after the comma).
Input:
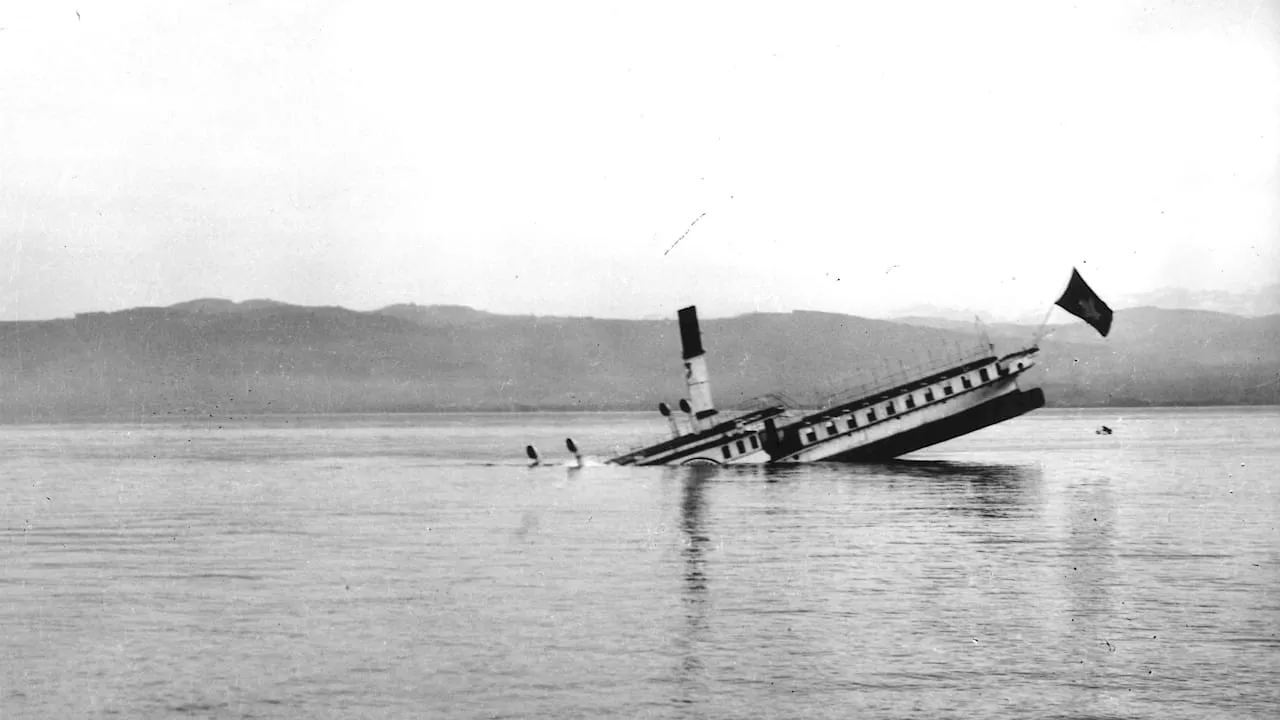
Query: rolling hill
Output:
(214,357)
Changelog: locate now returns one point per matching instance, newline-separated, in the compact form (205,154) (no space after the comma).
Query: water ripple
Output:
(395,569)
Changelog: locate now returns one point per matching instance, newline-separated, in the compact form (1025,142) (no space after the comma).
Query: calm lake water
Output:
(412,566)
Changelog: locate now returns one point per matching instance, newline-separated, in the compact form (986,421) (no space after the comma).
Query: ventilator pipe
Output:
(666,413)
(573,448)
(687,409)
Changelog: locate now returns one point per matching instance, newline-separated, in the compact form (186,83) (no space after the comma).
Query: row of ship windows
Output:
(727,450)
(890,409)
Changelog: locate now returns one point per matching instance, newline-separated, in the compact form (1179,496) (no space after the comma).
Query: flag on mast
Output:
(1080,300)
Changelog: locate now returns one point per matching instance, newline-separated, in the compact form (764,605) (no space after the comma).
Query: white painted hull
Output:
(886,428)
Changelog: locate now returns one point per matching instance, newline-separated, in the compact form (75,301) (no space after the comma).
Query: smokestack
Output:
(695,364)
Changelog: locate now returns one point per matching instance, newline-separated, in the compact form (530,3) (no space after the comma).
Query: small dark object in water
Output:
(532,452)
(573,448)
(1104,430)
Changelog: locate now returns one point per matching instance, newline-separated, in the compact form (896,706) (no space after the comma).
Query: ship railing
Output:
(879,383)
(773,399)
(636,448)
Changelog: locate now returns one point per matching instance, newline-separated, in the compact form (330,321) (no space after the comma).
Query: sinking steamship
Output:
(879,423)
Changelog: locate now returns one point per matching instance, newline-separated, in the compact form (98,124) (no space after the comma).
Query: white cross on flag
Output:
(1080,300)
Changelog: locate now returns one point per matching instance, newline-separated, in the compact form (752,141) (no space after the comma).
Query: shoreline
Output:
(211,418)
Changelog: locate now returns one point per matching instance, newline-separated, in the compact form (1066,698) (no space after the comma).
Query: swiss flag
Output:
(1080,300)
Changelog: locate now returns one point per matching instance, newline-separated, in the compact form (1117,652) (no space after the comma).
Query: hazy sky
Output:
(544,156)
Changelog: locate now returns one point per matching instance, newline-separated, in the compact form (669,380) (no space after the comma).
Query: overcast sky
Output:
(545,157)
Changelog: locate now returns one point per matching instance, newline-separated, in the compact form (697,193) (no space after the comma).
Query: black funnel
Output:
(690,335)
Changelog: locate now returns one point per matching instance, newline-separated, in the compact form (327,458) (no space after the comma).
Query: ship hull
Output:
(878,421)
(880,434)
(991,412)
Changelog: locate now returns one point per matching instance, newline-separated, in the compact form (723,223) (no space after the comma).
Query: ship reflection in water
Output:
(694,543)
(736,555)
(985,490)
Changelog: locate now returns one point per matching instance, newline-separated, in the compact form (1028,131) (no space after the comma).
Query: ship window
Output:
(724,450)
(871,416)
(742,446)
(853,422)
(928,395)
(755,444)
(1002,370)
(811,435)
(889,409)
(984,374)
(967,382)
(947,389)
(831,428)
(911,401)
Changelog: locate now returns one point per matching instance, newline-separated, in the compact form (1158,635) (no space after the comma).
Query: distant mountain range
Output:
(1248,303)
(1254,303)
(213,357)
